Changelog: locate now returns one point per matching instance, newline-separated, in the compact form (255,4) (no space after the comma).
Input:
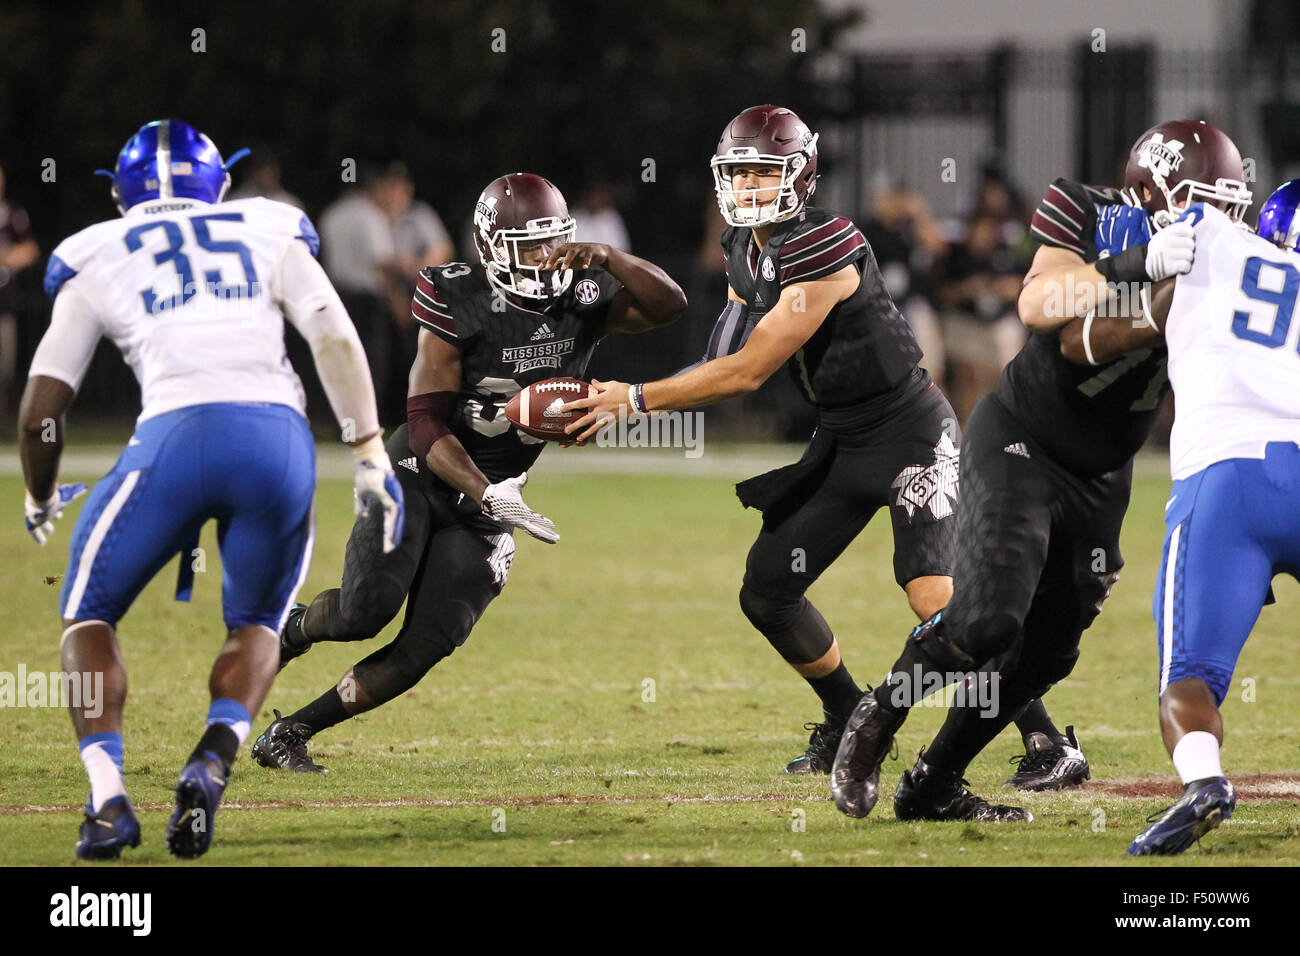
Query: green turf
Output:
(534,744)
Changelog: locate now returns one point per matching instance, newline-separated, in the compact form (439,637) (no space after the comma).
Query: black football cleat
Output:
(1203,806)
(1049,764)
(928,793)
(820,755)
(283,746)
(866,739)
(105,834)
(198,794)
(293,642)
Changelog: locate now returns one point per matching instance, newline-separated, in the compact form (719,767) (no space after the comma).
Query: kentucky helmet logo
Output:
(931,486)
(1161,157)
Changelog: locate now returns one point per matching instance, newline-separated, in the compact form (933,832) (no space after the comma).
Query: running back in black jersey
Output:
(864,348)
(1091,419)
(504,348)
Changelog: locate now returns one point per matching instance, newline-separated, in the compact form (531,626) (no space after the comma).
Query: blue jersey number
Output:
(181,262)
(1282,300)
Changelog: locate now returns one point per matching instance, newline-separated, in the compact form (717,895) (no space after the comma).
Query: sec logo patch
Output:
(769,270)
(587,291)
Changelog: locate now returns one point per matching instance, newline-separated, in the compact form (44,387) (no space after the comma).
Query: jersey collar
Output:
(153,207)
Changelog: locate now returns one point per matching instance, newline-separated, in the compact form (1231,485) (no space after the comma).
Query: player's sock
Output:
(101,754)
(838,691)
(325,711)
(897,693)
(965,732)
(1196,756)
(227,728)
(1034,719)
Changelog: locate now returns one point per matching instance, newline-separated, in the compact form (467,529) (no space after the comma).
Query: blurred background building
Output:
(941,122)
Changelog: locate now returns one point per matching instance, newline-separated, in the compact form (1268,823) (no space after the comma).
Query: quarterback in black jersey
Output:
(532,308)
(1045,475)
(805,291)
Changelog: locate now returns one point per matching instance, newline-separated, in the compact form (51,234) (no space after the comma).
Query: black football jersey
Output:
(1091,419)
(504,348)
(864,348)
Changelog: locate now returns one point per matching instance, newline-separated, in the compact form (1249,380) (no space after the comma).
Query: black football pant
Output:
(1037,554)
(448,568)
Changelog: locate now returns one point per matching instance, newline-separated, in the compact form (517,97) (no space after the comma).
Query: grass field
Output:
(541,723)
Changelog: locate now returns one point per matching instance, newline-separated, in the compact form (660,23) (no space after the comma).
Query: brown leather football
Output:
(536,409)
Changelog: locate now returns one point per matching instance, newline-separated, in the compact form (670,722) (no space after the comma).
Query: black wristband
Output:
(1129,266)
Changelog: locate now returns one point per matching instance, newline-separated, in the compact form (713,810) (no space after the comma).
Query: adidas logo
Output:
(543,333)
(1017,448)
(410,463)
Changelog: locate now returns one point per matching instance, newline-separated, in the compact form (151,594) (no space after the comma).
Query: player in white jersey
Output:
(195,295)
(1233,517)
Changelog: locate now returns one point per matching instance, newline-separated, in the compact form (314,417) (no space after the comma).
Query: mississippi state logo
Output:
(769,270)
(931,486)
(1160,157)
(587,291)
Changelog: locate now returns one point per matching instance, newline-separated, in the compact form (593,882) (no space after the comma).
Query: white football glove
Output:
(504,502)
(377,484)
(41,515)
(1170,251)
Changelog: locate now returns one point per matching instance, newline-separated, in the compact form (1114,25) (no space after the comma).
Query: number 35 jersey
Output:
(1232,342)
(504,348)
(192,295)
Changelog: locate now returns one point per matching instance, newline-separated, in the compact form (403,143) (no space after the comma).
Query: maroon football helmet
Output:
(1184,162)
(766,136)
(518,220)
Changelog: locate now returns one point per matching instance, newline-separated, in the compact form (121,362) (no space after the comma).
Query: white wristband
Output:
(372,447)
(1087,331)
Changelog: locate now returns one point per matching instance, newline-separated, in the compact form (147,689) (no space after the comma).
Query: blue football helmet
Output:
(1279,219)
(168,158)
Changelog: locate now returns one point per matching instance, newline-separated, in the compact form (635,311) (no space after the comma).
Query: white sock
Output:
(105,779)
(1196,756)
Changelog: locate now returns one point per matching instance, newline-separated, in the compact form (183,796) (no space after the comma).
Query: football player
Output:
(222,435)
(533,307)
(1046,473)
(804,291)
(1231,523)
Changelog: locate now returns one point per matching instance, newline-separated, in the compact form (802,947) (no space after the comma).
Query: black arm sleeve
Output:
(728,336)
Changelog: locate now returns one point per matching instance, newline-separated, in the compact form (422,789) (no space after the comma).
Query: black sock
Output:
(220,740)
(839,693)
(1034,719)
(325,711)
(965,732)
(898,693)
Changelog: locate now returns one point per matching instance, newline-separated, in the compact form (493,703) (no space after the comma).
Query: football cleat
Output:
(929,793)
(106,833)
(283,746)
(1203,806)
(198,794)
(820,755)
(293,642)
(867,738)
(1049,764)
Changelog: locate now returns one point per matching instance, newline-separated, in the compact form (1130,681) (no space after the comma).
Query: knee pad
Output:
(395,669)
(791,625)
(932,637)
(985,635)
(367,610)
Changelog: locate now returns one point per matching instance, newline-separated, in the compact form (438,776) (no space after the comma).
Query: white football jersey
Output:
(189,292)
(1233,359)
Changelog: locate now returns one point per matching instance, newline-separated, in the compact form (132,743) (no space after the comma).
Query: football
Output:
(537,409)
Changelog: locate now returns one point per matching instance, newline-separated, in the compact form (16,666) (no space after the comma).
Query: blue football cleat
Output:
(1202,807)
(198,793)
(104,834)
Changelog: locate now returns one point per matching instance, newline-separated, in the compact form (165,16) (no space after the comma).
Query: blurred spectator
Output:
(18,250)
(360,255)
(981,327)
(598,220)
(908,244)
(262,178)
(419,239)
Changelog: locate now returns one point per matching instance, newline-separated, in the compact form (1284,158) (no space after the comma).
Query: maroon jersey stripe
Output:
(817,248)
(1049,232)
(839,252)
(433,319)
(799,243)
(1061,200)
